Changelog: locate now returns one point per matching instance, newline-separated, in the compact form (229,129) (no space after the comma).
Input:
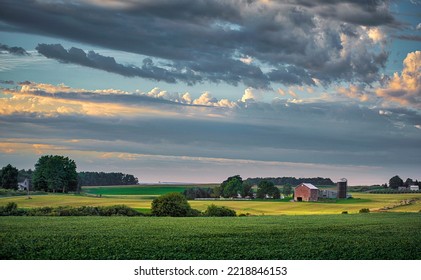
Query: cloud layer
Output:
(13,50)
(256,43)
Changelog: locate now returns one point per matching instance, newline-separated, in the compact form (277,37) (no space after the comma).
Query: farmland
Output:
(363,236)
(140,198)
(275,230)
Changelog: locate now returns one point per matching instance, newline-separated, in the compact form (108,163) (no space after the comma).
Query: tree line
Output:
(55,173)
(234,187)
(281,181)
(396,182)
(106,179)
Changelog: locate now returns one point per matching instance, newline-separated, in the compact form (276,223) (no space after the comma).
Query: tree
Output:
(55,173)
(287,190)
(267,188)
(9,177)
(192,193)
(395,182)
(171,204)
(246,189)
(231,187)
(408,182)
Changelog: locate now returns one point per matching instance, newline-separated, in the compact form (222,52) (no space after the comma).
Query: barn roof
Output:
(310,186)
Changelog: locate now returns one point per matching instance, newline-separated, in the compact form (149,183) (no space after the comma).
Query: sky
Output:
(196,91)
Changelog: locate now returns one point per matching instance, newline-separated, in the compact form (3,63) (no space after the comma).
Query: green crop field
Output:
(143,190)
(360,236)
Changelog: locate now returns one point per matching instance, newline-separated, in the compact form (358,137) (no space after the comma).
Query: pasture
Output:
(362,236)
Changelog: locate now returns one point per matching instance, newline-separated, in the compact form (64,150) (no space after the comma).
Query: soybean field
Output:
(317,237)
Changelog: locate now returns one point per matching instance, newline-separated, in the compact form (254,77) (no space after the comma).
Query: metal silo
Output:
(342,187)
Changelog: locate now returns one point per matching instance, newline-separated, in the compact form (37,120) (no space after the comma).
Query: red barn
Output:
(306,192)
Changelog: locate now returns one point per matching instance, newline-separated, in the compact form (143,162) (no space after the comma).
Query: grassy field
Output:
(362,236)
(255,207)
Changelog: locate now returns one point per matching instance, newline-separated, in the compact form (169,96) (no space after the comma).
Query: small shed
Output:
(414,188)
(328,194)
(306,192)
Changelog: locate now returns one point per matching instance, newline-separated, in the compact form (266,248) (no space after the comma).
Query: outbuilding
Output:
(414,188)
(306,192)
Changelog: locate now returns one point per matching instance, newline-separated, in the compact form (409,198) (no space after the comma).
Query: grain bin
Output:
(342,187)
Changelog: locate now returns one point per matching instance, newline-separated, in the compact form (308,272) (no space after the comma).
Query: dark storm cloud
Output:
(13,50)
(203,40)
(106,63)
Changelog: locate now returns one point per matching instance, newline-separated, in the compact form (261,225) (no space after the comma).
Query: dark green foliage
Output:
(232,186)
(106,179)
(395,182)
(55,174)
(246,190)
(11,209)
(219,211)
(281,181)
(9,177)
(196,192)
(344,212)
(267,189)
(287,189)
(171,204)
(377,236)
(364,210)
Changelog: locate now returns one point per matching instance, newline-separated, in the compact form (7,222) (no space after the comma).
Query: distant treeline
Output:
(91,178)
(281,181)
(105,179)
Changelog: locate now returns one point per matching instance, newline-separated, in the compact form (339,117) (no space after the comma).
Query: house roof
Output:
(310,186)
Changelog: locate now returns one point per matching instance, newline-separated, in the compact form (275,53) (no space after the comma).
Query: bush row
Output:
(11,209)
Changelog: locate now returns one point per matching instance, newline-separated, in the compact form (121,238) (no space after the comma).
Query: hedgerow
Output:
(11,209)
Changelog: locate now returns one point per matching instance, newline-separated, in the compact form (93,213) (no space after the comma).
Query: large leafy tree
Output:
(55,174)
(267,188)
(9,177)
(395,182)
(232,186)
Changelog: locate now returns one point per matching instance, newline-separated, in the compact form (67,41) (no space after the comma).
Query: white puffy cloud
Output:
(248,95)
(405,88)
(208,100)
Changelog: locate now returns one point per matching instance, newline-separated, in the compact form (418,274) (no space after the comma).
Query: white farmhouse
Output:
(23,186)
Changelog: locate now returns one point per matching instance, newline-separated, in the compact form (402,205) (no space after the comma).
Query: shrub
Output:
(219,211)
(344,212)
(118,210)
(11,209)
(194,213)
(40,211)
(364,210)
(171,204)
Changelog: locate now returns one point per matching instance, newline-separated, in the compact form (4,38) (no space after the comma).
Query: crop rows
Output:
(364,236)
